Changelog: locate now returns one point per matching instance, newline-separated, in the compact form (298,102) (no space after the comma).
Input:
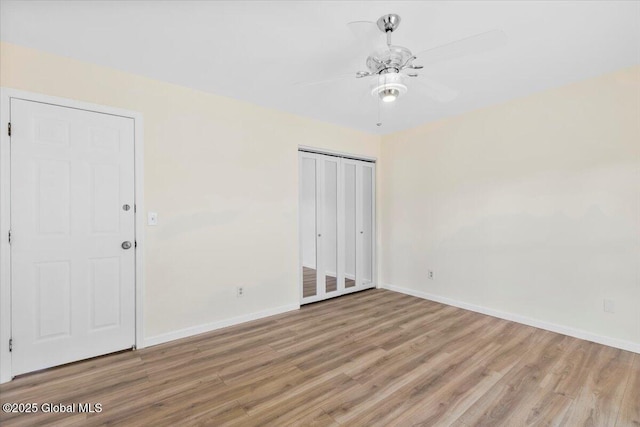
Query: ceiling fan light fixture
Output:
(389,87)
(389,94)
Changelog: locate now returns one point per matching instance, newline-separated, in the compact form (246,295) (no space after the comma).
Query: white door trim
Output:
(6,94)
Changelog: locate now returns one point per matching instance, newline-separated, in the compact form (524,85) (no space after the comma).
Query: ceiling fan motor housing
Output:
(393,59)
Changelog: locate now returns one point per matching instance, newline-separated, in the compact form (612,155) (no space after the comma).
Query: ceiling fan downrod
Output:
(388,24)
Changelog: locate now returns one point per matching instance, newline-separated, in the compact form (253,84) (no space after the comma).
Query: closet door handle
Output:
(319,235)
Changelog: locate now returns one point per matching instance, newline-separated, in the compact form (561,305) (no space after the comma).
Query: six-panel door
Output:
(72,210)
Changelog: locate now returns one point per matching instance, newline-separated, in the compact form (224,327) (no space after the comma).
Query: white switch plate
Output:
(609,306)
(152,218)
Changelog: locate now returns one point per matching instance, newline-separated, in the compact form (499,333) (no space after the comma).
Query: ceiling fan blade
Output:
(368,36)
(435,90)
(345,76)
(473,44)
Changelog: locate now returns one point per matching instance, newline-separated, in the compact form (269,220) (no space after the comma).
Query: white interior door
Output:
(72,210)
(337,225)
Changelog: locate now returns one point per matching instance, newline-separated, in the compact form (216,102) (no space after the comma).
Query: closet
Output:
(337,225)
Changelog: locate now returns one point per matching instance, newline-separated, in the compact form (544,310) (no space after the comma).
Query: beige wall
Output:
(531,207)
(221,173)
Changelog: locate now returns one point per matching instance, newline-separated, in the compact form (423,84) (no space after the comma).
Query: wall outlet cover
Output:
(609,306)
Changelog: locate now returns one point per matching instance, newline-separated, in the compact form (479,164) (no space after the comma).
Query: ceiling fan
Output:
(390,66)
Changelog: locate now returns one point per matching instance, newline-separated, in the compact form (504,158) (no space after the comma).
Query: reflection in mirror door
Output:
(330,224)
(350,225)
(308,227)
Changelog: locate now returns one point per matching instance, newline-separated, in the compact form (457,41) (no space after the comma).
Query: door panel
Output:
(53,290)
(105,198)
(350,223)
(53,199)
(308,210)
(73,285)
(367,225)
(329,237)
(104,274)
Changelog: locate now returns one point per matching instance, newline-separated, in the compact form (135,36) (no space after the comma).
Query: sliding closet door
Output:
(350,215)
(359,229)
(320,204)
(308,224)
(366,202)
(330,268)
(337,232)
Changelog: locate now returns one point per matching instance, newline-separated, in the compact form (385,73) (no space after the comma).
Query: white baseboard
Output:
(553,327)
(200,329)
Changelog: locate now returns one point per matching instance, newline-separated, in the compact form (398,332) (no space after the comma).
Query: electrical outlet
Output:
(430,274)
(239,291)
(609,306)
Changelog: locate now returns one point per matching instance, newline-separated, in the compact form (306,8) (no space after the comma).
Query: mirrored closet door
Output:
(337,225)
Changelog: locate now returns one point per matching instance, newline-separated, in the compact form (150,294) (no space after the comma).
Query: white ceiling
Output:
(256,51)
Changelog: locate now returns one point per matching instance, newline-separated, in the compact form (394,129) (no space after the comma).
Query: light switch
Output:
(152,218)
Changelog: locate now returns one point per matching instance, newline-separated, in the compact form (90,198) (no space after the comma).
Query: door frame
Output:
(374,231)
(6,94)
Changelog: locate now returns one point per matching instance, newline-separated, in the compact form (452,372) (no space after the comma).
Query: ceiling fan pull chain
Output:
(379,123)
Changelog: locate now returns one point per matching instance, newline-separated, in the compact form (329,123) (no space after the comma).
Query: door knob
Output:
(126,245)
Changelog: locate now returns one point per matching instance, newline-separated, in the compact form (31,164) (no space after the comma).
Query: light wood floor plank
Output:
(600,399)
(370,358)
(630,408)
